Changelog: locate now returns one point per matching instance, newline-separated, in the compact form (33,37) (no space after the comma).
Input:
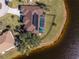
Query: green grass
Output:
(8,20)
(15,3)
(56,7)
(10,54)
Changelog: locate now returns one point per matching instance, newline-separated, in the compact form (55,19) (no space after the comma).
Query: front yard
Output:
(9,19)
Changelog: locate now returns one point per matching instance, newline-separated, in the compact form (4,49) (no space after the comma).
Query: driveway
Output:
(14,11)
(5,9)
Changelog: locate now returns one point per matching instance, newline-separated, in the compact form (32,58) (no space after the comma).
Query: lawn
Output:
(15,3)
(56,8)
(10,54)
(9,19)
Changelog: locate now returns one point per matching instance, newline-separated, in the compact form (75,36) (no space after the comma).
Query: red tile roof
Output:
(28,11)
(31,28)
(7,41)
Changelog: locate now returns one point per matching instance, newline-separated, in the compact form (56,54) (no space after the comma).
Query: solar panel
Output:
(42,23)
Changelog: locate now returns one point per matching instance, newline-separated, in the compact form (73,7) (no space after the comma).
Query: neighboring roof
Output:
(7,41)
(2,38)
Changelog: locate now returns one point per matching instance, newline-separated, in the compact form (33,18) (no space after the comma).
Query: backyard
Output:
(54,15)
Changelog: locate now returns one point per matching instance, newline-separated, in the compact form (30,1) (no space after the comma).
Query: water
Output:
(68,48)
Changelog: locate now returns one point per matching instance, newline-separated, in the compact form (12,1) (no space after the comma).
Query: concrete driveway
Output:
(14,11)
(5,9)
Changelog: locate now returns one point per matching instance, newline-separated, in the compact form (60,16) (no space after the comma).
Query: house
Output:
(6,42)
(33,18)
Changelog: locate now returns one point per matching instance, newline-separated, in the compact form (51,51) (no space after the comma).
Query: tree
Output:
(25,41)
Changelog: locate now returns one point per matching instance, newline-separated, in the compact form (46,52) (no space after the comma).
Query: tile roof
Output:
(28,11)
(7,41)
(31,28)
